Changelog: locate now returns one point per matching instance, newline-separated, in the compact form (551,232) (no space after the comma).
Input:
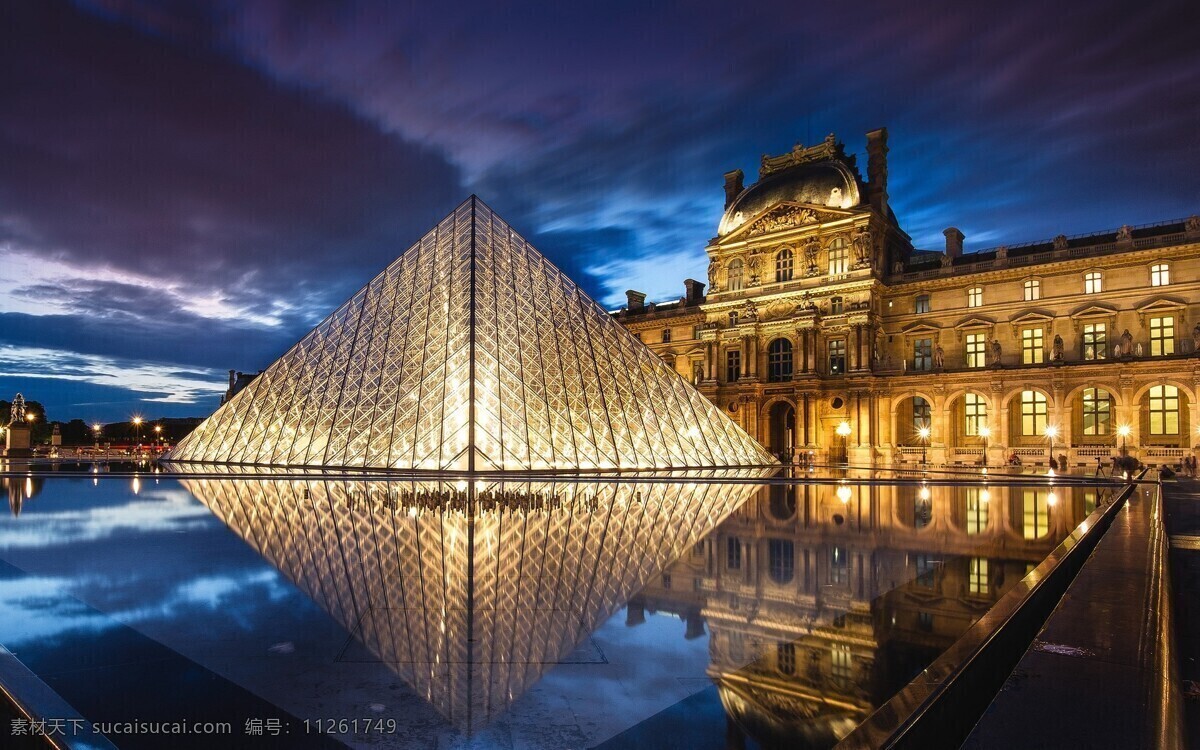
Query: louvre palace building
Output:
(824,332)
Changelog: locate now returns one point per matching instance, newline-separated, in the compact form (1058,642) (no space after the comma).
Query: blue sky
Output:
(189,187)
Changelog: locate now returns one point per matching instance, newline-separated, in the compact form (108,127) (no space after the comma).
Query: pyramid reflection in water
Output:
(471,352)
(469,592)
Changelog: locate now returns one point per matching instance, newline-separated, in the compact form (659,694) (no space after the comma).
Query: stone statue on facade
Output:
(862,243)
(996,353)
(754,264)
(939,357)
(1056,353)
(1196,339)
(750,311)
(1002,252)
(898,267)
(811,248)
(1060,242)
(1192,224)
(713,267)
(1126,344)
(1125,233)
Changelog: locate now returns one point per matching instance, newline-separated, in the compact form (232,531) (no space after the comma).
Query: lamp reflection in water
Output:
(440,580)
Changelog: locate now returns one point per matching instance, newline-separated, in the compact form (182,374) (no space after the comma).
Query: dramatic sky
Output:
(189,187)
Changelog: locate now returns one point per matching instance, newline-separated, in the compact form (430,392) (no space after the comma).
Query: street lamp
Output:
(1123,431)
(158,433)
(923,433)
(137,426)
(843,431)
(985,432)
(1051,432)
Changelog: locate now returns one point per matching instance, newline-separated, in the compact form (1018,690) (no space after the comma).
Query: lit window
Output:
(666,335)
(978,511)
(783,265)
(923,354)
(734,271)
(785,657)
(839,257)
(1164,410)
(1095,340)
(922,414)
(1033,350)
(1033,290)
(839,565)
(842,669)
(975,296)
(977,575)
(1035,515)
(976,350)
(974,413)
(781,560)
(1160,274)
(835,306)
(1097,411)
(733,553)
(733,365)
(1162,336)
(921,304)
(779,361)
(1093,282)
(1033,413)
(837,356)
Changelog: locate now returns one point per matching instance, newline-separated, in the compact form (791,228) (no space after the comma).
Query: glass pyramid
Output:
(471,352)
(471,591)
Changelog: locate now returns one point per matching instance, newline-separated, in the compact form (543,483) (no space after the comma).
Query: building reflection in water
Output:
(20,490)
(470,592)
(821,603)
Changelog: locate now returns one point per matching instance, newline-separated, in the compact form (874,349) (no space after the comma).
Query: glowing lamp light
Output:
(985,432)
(1051,499)
(1051,431)
(843,494)
(843,429)
(924,433)
(924,494)
(1124,430)
(984,495)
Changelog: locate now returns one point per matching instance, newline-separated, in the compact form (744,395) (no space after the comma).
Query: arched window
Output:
(779,361)
(1097,411)
(1033,413)
(783,265)
(974,413)
(733,318)
(1164,410)
(734,273)
(781,560)
(839,257)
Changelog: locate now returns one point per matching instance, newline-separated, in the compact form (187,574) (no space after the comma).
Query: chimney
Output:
(877,150)
(637,300)
(694,293)
(954,243)
(232,378)
(733,185)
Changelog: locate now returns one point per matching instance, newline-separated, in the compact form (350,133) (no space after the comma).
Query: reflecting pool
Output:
(306,611)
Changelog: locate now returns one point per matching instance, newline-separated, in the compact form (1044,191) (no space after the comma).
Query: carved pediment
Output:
(973,323)
(922,328)
(1031,318)
(1093,312)
(786,216)
(1159,306)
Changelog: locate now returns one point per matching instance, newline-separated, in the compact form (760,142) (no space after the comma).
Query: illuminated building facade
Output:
(821,315)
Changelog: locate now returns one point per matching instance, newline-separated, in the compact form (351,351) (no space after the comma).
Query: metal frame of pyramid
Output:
(471,352)
(471,591)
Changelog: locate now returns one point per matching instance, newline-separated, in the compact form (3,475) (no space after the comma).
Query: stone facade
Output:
(821,317)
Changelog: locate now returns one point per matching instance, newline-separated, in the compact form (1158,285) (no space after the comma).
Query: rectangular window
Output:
(839,257)
(733,365)
(1164,410)
(1097,412)
(1095,340)
(1035,515)
(842,668)
(976,350)
(977,576)
(733,553)
(923,354)
(1034,416)
(925,570)
(837,356)
(733,319)
(1162,336)
(978,510)
(1160,274)
(1033,350)
(974,413)
(922,304)
(1033,290)
(666,335)
(975,297)
(1093,282)
(836,306)
(839,565)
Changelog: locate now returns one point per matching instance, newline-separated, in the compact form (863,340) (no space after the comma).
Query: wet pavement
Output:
(1182,510)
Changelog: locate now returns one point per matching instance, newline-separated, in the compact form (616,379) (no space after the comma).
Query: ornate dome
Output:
(829,183)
